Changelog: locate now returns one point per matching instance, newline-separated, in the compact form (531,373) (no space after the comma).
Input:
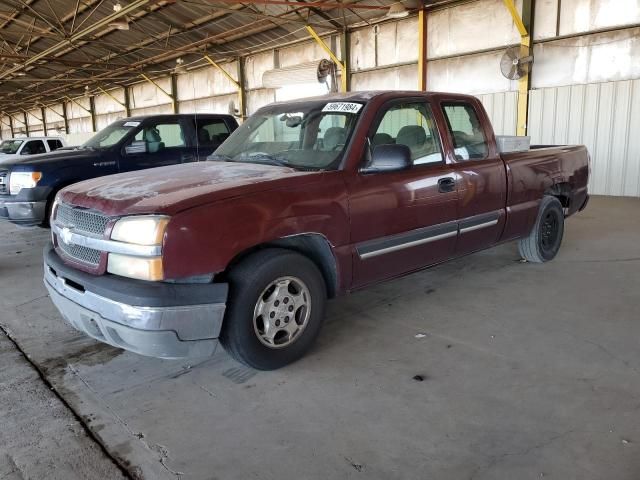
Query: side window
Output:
(332,132)
(161,135)
(211,132)
(54,144)
(468,138)
(410,124)
(32,147)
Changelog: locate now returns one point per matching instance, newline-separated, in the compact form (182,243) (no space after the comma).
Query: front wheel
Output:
(275,309)
(545,238)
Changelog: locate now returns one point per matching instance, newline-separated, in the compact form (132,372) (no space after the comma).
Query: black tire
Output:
(545,238)
(249,281)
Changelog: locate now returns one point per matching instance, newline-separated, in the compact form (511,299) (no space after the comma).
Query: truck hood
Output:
(172,189)
(69,158)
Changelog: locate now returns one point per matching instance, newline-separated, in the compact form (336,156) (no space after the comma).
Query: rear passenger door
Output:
(481,175)
(156,144)
(405,220)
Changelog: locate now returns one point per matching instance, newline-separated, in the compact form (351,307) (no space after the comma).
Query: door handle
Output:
(446,184)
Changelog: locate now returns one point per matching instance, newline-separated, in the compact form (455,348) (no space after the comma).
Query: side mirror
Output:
(388,158)
(136,147)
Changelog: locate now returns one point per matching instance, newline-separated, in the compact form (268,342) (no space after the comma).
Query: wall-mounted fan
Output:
(516,62)
(231,108)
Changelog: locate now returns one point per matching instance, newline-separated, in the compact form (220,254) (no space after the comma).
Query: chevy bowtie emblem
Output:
(65,235)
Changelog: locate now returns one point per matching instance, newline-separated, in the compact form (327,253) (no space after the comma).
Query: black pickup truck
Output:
(29,184)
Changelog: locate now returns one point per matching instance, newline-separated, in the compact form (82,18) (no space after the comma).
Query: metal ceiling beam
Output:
(79,35)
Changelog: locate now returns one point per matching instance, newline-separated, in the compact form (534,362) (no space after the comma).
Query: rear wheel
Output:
(545,238)
(275,309)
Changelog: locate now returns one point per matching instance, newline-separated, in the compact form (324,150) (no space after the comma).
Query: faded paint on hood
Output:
(179,187)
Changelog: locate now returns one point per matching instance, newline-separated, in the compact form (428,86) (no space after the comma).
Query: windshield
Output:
(305,136)
(110,135)
(10,146)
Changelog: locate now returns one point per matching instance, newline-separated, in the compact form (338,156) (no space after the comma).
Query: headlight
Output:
(142,268)
(20,180)
(145,230)
(140,230)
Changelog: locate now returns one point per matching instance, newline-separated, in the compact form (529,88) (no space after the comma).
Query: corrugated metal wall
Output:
(502,108)
(603,116)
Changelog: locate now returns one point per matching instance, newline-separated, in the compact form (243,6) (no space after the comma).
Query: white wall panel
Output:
(255,66)
(217,104)
(146,94)
(206,82)
(470,27)
(603,116)
(34,119)
(80,125)
(108,118)
(259,98)
(397,78)
(469,74)
(588,59)
(502,108)
(105,104)
(363,49)
(153,110)
(585,15)
(54,114)
(398,42)
(76,109)
(545,19)
(305,52)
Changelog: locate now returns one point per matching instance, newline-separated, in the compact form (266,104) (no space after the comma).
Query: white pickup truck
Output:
(29,146)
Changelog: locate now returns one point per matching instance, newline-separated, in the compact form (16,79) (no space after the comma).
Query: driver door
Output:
(158,144)
(405,220)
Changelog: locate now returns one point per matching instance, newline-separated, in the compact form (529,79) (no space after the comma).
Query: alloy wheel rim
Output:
(282,312)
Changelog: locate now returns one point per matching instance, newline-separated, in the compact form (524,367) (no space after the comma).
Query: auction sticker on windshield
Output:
(346,107)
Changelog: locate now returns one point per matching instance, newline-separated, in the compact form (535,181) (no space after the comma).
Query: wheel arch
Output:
(314,246)
(563,192)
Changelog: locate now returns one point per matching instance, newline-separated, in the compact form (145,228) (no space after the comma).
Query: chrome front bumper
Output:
(184,331)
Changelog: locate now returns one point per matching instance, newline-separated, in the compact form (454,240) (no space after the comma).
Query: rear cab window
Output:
(54,144)
(465,129)
(211,132)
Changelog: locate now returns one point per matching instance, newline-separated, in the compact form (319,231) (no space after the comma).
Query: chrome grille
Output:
(81,220)
(4,186)
(82,254)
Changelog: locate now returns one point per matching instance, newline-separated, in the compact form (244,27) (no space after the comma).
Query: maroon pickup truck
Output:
(305,201)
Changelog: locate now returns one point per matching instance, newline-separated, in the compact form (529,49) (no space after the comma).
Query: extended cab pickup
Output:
(28,184)
(306,200)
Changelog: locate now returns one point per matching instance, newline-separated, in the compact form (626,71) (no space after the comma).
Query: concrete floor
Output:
(529,371)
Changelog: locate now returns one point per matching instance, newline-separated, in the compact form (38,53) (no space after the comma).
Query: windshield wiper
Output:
(218,157)
(260,157)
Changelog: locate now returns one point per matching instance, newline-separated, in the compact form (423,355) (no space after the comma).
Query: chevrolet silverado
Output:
(307,200)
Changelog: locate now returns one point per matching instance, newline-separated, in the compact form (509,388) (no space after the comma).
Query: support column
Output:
(43,112)
(127,101)
(26,122)
(11,126)
(524,25)
(174,93)
(345,51)
(242,93)
(422,49)
(65,117)
(92,111)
